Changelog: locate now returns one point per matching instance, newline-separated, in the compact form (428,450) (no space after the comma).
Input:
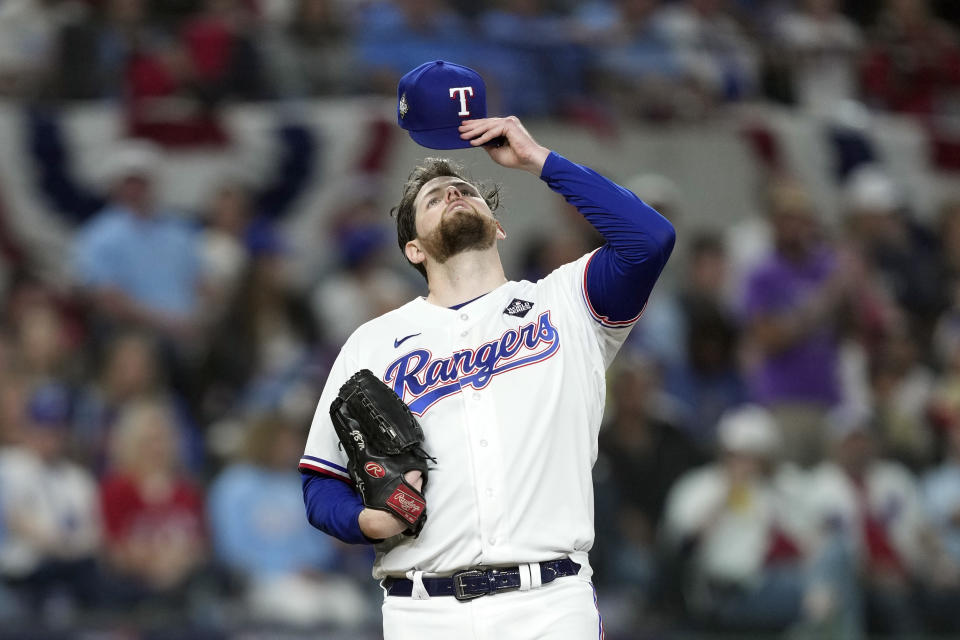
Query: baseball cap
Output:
(749,429)
(131,158)
(434,98)
(869,189)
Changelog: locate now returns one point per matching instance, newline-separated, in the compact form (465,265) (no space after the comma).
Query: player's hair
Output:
(406,213)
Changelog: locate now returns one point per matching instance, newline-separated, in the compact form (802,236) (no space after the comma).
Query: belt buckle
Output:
(458,585)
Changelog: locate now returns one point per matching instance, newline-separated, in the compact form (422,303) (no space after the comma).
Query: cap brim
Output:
(442,138)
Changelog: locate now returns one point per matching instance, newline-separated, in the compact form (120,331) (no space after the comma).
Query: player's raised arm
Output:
(621,275)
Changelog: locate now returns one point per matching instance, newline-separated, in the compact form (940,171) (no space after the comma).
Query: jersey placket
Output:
(483,440)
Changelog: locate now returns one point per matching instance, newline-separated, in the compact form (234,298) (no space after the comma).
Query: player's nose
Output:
(453,193)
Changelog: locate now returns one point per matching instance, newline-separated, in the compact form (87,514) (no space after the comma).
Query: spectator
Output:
(945,404)
(50,512)
(903,389)
(731,523)
(289,570)
(874,506)
(660,331)
(549,249)
(42,350)
(642,452)
(28,36)
(948,254)
(528,54)
(118,251)
(707,381)
(263,355)
(713,50)
(219,42)
(153,513)
(394,37)
(821,47)
(311,55)
(223,241)
(941,494)
(361,283)
(898,248)
(94,51)
(131,372)
(912,61)
(634,63)
(166,97)
(791,312)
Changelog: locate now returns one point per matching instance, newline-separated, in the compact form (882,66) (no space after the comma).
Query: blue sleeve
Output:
(621,274)
(333,507)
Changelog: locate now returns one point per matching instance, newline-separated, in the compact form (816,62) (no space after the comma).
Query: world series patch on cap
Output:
(434,98)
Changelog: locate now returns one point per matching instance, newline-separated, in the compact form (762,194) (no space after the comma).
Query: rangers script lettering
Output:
(415,376)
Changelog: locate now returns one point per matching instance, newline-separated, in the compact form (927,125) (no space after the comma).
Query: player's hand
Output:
(380,525)
(518,149)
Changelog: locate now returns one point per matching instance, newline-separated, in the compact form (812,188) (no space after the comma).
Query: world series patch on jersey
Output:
(509,390)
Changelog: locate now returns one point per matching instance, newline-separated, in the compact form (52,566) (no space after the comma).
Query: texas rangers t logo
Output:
(428,379)
(462,93)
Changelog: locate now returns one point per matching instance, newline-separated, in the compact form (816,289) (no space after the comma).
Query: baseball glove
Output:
(382,441)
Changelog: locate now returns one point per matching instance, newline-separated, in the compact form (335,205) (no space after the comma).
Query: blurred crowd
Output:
(172,62)
(781,447)
(153,409)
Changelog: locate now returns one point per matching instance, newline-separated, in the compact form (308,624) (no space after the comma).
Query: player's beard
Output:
(459,231)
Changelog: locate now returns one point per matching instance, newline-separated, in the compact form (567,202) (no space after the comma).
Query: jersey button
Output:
(483,443)
(492,541)
(476,395)
(489,493)
(464,316)
(464,334)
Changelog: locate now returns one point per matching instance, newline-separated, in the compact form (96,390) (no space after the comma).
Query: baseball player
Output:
(506,379)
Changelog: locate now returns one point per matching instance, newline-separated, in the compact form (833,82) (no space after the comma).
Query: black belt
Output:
(473,583)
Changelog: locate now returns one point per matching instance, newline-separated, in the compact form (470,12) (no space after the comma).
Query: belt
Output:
(474,583)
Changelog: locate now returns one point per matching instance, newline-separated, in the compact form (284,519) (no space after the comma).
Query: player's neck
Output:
(465,276)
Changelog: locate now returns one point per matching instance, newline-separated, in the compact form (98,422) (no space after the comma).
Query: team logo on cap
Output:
(374,470)
(461,93)
(404,107)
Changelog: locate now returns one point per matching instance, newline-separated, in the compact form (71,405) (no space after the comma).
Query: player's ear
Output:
(501,234)
(414,252)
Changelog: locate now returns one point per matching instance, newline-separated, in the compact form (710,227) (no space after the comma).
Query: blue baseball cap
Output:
(434,98)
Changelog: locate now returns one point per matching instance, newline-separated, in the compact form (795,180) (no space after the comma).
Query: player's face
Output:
(452,217)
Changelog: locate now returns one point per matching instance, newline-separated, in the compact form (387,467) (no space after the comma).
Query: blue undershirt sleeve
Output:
(621,274)
(333,507)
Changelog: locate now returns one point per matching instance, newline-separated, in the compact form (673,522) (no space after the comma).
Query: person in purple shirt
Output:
(792,302)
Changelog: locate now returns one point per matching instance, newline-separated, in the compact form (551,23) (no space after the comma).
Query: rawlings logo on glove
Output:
(383,441)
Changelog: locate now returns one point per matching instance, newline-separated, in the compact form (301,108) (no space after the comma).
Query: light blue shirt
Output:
(941,494)
(156,261)
(256,518)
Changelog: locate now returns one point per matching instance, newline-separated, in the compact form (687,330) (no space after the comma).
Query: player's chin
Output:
(468,232)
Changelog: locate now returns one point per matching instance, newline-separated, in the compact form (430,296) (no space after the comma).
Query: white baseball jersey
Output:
(509,390)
